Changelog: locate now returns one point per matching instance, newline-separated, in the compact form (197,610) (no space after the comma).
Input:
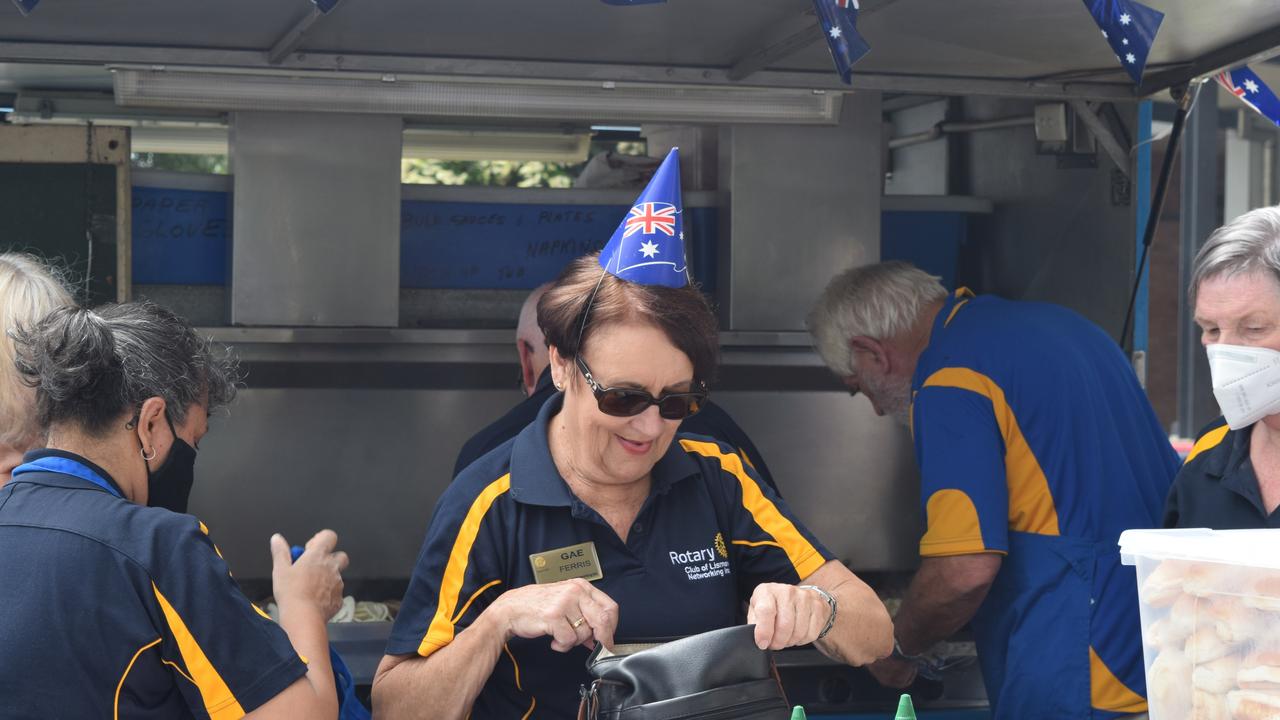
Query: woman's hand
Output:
(315,580)
(571,612)
(786,615)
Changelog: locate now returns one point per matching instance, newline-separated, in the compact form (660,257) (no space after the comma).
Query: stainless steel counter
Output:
(449,345)
(357,430)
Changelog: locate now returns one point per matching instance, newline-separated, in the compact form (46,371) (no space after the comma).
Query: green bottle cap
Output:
(797,713)
(906,711)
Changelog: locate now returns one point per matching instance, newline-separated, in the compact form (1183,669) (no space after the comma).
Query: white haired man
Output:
(1036,448)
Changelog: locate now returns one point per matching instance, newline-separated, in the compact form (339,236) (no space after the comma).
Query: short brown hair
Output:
(683,314)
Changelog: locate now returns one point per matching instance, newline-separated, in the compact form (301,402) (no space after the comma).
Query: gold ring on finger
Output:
(578,623)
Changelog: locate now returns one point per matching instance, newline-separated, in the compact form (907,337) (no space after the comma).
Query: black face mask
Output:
(169,487)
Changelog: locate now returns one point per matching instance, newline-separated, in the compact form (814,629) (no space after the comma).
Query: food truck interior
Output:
(358,200)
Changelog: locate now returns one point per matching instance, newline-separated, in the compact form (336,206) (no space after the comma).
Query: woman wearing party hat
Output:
(599,522)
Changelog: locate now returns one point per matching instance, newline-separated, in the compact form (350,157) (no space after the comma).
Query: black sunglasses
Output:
(626,402)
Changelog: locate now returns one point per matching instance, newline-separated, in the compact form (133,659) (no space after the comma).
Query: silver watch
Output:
(831,602)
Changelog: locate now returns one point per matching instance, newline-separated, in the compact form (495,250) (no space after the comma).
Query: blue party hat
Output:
(648,246)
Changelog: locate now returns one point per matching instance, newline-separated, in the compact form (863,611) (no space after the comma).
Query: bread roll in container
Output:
(1210,607)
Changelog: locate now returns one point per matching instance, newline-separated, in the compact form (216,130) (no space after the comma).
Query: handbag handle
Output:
(773,670)
(588,706)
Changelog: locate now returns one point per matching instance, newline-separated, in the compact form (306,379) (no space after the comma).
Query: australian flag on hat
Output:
(1246,85)
(648,247)
(839,22)
(1130,28)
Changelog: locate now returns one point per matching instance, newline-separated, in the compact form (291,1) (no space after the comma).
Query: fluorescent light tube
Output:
(454,98)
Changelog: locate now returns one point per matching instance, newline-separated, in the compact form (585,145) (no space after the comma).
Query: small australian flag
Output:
(839,22)
(1130,28)
(1246,85)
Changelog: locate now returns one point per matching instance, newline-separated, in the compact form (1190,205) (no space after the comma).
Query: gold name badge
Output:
(566,563)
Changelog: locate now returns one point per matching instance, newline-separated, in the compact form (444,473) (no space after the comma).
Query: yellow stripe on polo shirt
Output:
(804,557)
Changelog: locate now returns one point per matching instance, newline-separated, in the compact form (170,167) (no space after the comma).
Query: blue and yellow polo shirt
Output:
(708,533)
(109,609)
(1035,441)
(1217,486)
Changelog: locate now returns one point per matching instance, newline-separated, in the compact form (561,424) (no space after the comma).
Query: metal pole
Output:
(1183,96)
(1200,215)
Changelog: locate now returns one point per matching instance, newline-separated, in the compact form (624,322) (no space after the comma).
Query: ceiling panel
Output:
(1034,38)
(979,38)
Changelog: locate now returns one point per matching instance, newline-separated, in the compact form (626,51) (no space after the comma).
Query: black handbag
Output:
(716,675)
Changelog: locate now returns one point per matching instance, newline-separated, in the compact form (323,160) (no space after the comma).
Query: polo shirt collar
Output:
(1220,464)
(1234,470)
(86,467)
(535,480)
(940,322)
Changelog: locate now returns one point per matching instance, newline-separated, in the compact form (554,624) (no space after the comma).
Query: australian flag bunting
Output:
(648,246)
(26,6)
(1246,85)
(1130,28)
(839,22)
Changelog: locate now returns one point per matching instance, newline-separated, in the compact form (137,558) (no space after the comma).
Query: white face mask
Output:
(1246,382)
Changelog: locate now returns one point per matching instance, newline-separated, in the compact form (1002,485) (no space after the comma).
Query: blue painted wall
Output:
(182,237)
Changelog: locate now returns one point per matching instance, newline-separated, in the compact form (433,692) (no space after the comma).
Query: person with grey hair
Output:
(1036,448)
(29,290)
(1231,478)
(116,604)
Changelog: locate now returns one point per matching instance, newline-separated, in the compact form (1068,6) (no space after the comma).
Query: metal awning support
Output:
(1256,48)
(1110,143)
(777,50)
(408,67)
(1184,97)
(787,44)
(291,39)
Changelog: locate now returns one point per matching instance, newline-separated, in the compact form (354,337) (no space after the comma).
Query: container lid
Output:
(1253,548)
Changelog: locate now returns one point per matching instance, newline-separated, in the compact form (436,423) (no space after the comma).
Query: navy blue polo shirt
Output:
(708,533)
(109,609)
(1217,487)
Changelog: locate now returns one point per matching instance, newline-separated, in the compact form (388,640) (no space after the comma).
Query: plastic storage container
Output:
(1210,607)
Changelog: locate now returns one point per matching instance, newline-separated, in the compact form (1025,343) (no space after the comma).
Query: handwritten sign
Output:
(180,237)
(488,245)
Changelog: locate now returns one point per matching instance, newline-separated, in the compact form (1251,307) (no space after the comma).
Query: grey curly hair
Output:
(90,366)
